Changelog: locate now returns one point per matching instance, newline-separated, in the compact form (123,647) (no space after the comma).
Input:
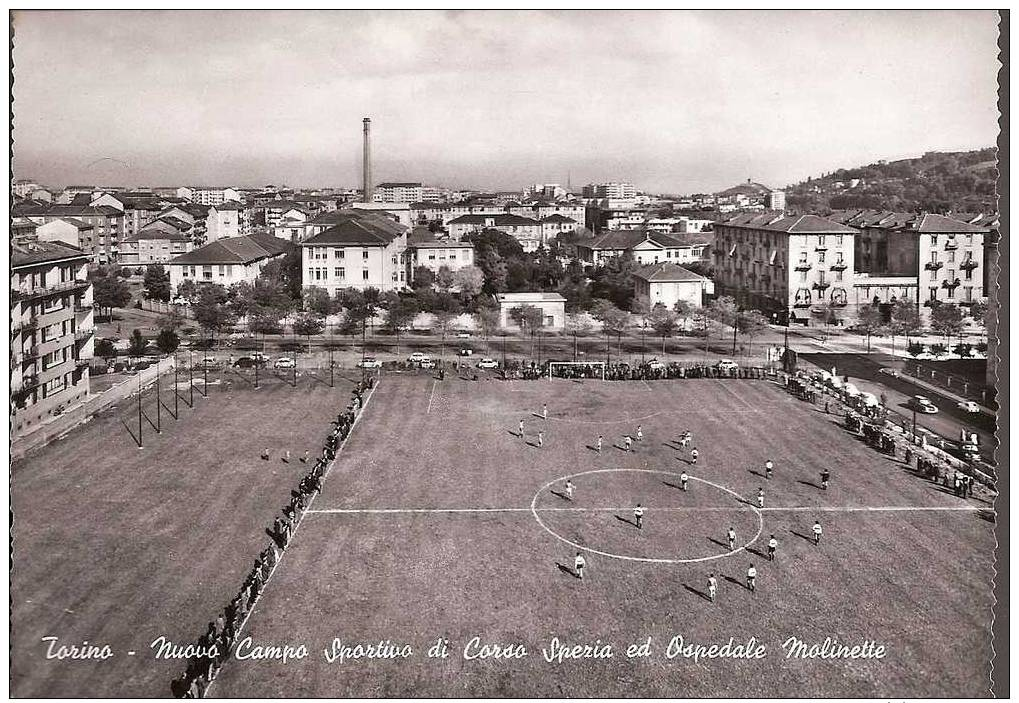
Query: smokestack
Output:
(366,177)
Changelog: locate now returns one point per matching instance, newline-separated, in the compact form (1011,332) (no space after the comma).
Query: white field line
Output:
(293,535)
(692,509)
(431,397)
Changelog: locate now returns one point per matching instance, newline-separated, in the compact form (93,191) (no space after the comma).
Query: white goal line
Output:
(694,509)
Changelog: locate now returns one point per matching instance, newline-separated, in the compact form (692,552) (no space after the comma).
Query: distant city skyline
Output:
(676,102)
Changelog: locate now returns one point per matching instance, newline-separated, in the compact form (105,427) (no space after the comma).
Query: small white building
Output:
(68,230)
(227,261)
(666,283)
(224,220)
(552,306)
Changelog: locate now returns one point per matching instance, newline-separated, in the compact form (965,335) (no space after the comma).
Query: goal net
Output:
(576,369)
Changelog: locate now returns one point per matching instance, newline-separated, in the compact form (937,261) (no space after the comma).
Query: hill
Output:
(962,181)
(748,188)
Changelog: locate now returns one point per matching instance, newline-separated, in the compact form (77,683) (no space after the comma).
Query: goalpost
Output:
(597,367)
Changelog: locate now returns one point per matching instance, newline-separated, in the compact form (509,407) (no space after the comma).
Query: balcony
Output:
(81,335)
(24,325)
(838,266)
(968,265)
(951,245)
(45,291)
(933,265)
(31,354)
(29,381)
(821,286)
(951,285)
(803,266)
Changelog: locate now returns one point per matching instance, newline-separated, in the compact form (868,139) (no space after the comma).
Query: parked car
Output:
(923,404)
(851,390)
(463,334)
(427,363)
(416,357)
(894,373)
(208,362)
(969,406)
(726,365)
(488,364)
(656,365)
(259,356)
(869,399)
(466,351)
(284,362)
(248,362)
(369,362)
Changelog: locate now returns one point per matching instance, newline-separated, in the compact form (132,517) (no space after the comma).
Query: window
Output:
(968,274)
(951,274)
(838,256)
(820,257)
(803,257)
(364,275)
(338,272)
(934,275)
(934,293)
(967,294)
(934,257)
(364,254)
(951,255)
(820,240)
(838,239)
(951,292)
(337,253)
(838,275)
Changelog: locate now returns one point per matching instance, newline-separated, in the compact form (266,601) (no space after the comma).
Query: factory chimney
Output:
(366,180)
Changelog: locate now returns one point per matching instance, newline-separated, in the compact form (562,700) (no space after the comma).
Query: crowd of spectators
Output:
(216,643)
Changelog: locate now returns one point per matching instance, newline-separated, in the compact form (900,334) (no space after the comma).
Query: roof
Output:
(71,221)
(936,224)
(236,250)
(558,218)
(228,205)
(439,244)
(150,234)
(667,271)
(283,205)
(377,218)
(536,297)
(84,210)
(792,224)
(398,185)
(499,220)
(31,253)
(927,223)
(352,232)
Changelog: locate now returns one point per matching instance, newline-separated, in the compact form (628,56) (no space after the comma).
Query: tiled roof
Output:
(375,219)
(150,234)
(558,218)
(236,250)
(228,205)
(399,185)
(536,297)
(31,253)
(666,271)
(353,232)
(499,220)
(936,224)
(792,224)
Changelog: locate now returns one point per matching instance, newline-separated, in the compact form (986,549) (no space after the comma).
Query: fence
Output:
(165,308)
(72,417)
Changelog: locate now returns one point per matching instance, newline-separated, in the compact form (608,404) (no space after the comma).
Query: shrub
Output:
(915,349)
(938,349)
(963,350)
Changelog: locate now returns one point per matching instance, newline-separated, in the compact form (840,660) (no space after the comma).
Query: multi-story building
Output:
(23,229)
(610,190)
(800,266)
(775,200)
(225,220)
(645,247)
(51,331)
(227,261)
(278,211)
(153,246)
(23,187)
(434,254)
(107,224)
(67,230)
(666,283)
(356,249)
(202,195)
(527,231)
(551,305)
(398,193)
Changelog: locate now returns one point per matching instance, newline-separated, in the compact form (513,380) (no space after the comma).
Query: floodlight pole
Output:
(159,404)
(139,412)
(295,368)
(330,367)
(205,382)
(191,378)
(176,388)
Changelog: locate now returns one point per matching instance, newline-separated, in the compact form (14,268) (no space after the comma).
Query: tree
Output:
(445,309)
(947,319)
(264,320)
(399,315)
(869,321)
(978,311)
(613,321)
(285,271)
(904,320)
(578,324)
(750,323)
(684,310)
(167,341)
(210,309)
(528,318)
(664,322)
(307,324)
(488,320)
(109,291)
(105,349)
(423,277)
(157,283)
(187,290)
(138,343)
(317,300)
(470,280)
(444,279)
(172,320)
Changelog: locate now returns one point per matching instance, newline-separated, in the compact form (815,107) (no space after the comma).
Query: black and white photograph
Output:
(529,354)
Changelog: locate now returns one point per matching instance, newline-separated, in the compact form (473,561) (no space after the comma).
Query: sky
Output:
(675,102)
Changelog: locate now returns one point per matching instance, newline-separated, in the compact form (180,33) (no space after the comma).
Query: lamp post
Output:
(504,350)
(735,327)
(643,331)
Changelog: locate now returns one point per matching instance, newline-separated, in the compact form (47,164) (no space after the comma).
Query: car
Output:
(208,362)
(488,364)
(463,335)
(726,365)
(284,362)
(869,399)
(656,365)
(248,362)
(416,357)
(259,356)
(369,362)
(427,363)
(894,373)
(969,406)
(466,351)
(923,404)
(851,390)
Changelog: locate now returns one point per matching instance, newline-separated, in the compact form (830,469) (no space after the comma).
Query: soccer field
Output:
(438,521)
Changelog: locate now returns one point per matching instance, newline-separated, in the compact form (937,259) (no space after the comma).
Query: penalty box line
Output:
(693,509)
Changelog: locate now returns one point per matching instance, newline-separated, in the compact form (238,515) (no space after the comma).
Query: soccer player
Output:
(712,587)
(732,538)
(628,441)
(638,515)
(578,565)
(825,478)
(684,439)
(751,577)
(760,497)
(768,469)
(693,455)
(599,443)
(569,489)
(520,430)
(683,478)
(541,438)
(772,546)
(265,454)
(817,532)
(544,411)
(640,434)
(286,456)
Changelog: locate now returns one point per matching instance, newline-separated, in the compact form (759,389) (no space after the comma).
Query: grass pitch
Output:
(438,521)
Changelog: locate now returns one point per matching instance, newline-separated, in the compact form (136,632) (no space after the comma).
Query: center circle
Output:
(608,521)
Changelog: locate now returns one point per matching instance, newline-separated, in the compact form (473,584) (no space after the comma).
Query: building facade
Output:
(225,220)
(552,306)
(645,247)
(227,261)
(355,249)
(153,246)
(398,193)
(667,283)
(52,331)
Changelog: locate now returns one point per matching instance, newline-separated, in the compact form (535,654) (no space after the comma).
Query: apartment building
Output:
(527,231)
(51,331)
(800,266)
(398,193)
(153,246)
(107,223)
(355,249)
(203,195)
(225,220)
(666,283)
(227,261)
(433,254)
(610,190)
(645,247)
